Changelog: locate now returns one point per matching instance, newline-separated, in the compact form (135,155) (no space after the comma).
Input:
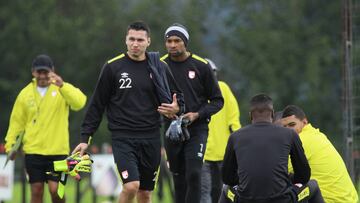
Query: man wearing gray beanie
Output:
(202,99)
(178,30)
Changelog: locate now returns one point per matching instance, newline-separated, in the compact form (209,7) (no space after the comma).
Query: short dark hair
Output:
(139,25)
(294,110)
(261,103)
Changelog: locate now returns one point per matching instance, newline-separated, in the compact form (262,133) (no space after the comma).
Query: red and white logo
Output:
(125,174)
(191,74)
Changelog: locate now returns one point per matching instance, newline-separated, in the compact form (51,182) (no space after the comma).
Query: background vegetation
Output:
(290,50)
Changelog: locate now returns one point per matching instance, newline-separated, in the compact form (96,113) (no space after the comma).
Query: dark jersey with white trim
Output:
(199,86)
(256,159)
(126,90)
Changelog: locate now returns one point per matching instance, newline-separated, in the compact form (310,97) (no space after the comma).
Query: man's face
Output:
(42,77)
(175,46)
(293,123)
(137,41)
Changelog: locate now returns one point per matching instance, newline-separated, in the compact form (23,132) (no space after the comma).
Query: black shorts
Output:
(230,195)
(37,165)
(138,160)
(194,149)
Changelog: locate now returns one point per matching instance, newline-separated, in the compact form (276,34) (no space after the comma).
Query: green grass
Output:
(358,187)
(87,198)
(70,193)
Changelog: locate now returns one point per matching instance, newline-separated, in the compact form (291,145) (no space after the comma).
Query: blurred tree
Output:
(287,49)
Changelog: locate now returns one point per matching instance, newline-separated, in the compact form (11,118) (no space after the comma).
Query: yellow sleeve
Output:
(73,96)
(232,109)
(290,167)
(17,123)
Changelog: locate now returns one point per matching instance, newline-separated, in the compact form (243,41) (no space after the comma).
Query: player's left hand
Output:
(169,110)
(55,79)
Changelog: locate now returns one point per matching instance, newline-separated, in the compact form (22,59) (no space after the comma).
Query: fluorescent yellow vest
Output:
(44,119)
(219,126)
(327,167)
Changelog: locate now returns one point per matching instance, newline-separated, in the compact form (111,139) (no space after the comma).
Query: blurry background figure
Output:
(221,125)
(106,148)
(94,149)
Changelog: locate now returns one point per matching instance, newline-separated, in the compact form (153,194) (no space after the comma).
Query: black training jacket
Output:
(256,159)
(127,91)
(199,85)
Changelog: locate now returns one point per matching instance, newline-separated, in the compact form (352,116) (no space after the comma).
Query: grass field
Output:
(87,197)
(358,190)
(70,194)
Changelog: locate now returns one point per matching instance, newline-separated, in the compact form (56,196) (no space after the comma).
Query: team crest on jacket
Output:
(191,74)
(125,174)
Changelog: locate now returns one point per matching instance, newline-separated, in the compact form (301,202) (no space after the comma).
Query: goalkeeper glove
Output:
(74,164)
(177,131)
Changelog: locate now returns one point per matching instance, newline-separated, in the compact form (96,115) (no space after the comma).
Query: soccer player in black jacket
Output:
(202,99)
(129,90)
(256,158)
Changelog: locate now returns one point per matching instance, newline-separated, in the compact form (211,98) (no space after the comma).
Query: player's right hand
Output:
(80,148)
(191,116)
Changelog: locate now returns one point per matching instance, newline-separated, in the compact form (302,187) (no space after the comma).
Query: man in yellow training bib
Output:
(327,166)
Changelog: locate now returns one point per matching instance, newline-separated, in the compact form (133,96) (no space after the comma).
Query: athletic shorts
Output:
(138,160)
(194,148)
(37,165)
(230,195)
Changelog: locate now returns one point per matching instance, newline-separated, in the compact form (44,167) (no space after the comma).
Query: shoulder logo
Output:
(53,93)
(191,74)
(125,81)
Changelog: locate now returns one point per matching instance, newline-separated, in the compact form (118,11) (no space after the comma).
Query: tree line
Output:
(290,50)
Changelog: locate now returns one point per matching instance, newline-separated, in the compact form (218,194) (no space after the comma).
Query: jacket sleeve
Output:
(73,96)
(229,167)
(97,104)
(17,123)
(175,89)
(232,108)
(213,94)
(298,160)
